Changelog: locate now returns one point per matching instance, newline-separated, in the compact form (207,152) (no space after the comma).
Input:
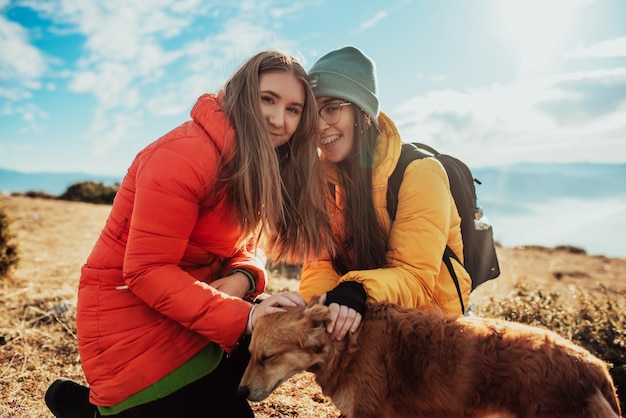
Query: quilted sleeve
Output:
(169,187)
(416,241)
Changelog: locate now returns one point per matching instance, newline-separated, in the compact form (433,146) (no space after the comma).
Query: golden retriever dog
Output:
(407,363)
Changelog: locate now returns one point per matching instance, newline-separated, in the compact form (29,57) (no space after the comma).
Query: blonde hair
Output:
(277,193)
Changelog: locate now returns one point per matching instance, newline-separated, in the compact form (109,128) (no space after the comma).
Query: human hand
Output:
(342,319)
(273,304)
(236,284)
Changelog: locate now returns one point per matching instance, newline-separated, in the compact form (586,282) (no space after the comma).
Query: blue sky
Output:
(86,84)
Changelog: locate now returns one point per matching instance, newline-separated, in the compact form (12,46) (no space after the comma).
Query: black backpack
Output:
(479,252)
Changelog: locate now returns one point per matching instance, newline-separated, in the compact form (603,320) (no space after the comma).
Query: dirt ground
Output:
(37,303)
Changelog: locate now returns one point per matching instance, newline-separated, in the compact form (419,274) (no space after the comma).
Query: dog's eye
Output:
(318,324)
(266,357)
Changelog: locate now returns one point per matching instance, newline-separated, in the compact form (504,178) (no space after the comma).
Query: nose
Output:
(276,118)
(321,123)
(243,391)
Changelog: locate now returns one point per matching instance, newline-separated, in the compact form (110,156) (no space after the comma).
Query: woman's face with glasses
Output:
(335,128)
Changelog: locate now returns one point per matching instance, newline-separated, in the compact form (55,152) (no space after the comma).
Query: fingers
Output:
(322,299)
(285,299)
(275,303)
(343,320)
(296,298)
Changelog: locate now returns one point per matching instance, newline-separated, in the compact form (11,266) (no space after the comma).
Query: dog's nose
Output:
(243,391)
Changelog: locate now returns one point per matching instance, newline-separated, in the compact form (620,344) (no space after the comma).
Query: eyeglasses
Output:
(331,112)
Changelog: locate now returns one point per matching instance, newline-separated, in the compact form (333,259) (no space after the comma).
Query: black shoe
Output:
(68,399)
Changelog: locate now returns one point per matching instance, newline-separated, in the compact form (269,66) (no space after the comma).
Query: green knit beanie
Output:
(347,74)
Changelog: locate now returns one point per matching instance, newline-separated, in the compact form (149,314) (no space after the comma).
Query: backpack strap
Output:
(409,153)
(427,148)
(448,255)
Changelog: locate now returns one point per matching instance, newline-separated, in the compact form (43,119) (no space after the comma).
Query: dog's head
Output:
(282,345)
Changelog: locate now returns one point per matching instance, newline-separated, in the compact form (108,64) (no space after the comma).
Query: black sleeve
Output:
(351,294)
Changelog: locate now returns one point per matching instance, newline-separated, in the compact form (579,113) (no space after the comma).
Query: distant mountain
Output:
(510,189)
(531,183)
(51,183)
(583,205)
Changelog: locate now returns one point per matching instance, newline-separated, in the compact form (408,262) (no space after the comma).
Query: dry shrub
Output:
(9,257)
(571,249)
(90,192)
(35,194)
(596,321)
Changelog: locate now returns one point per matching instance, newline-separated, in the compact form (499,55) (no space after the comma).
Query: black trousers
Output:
(213,396)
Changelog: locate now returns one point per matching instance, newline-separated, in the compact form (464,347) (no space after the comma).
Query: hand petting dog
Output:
(273,304)
(342,319)
(347,303)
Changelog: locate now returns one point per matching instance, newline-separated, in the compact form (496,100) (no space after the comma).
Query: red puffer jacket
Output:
(144,303)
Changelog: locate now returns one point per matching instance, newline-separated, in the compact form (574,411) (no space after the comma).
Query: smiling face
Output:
(336,139)
(282,102)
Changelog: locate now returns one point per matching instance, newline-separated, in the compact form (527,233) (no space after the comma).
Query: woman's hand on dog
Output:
(342,320)
(273,304)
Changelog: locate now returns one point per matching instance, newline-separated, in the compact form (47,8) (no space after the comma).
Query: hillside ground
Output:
(37,303)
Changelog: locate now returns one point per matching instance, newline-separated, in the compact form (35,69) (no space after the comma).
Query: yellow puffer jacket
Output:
(426,221)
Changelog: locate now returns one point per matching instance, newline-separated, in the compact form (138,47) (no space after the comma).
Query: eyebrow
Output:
(277,96)
(332,99)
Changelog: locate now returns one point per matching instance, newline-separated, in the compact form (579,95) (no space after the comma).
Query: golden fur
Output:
(409,363)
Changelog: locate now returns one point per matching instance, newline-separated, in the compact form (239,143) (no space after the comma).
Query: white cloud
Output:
(433,78)
(373,21)
(186,6)
(111,82)
(242,37)
(609,48)
(32,115)
(110,129)
(280,12)
(123,55)
(211,60)
(22,68)
(131,46)
(19,61)
(559,115)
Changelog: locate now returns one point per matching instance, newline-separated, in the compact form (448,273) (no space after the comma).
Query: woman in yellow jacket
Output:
(380,260)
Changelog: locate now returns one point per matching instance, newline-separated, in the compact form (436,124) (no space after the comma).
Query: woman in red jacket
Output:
(165,295)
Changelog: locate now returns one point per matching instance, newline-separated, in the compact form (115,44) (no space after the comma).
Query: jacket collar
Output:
(208,113)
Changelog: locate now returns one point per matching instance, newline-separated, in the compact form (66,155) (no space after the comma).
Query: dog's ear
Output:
(317,315)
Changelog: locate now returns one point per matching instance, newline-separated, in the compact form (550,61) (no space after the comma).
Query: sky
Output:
(86,84)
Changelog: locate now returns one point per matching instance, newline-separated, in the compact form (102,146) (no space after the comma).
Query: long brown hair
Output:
(279,193)
(365,238)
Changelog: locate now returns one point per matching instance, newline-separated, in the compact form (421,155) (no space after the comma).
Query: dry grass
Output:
(37,303)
